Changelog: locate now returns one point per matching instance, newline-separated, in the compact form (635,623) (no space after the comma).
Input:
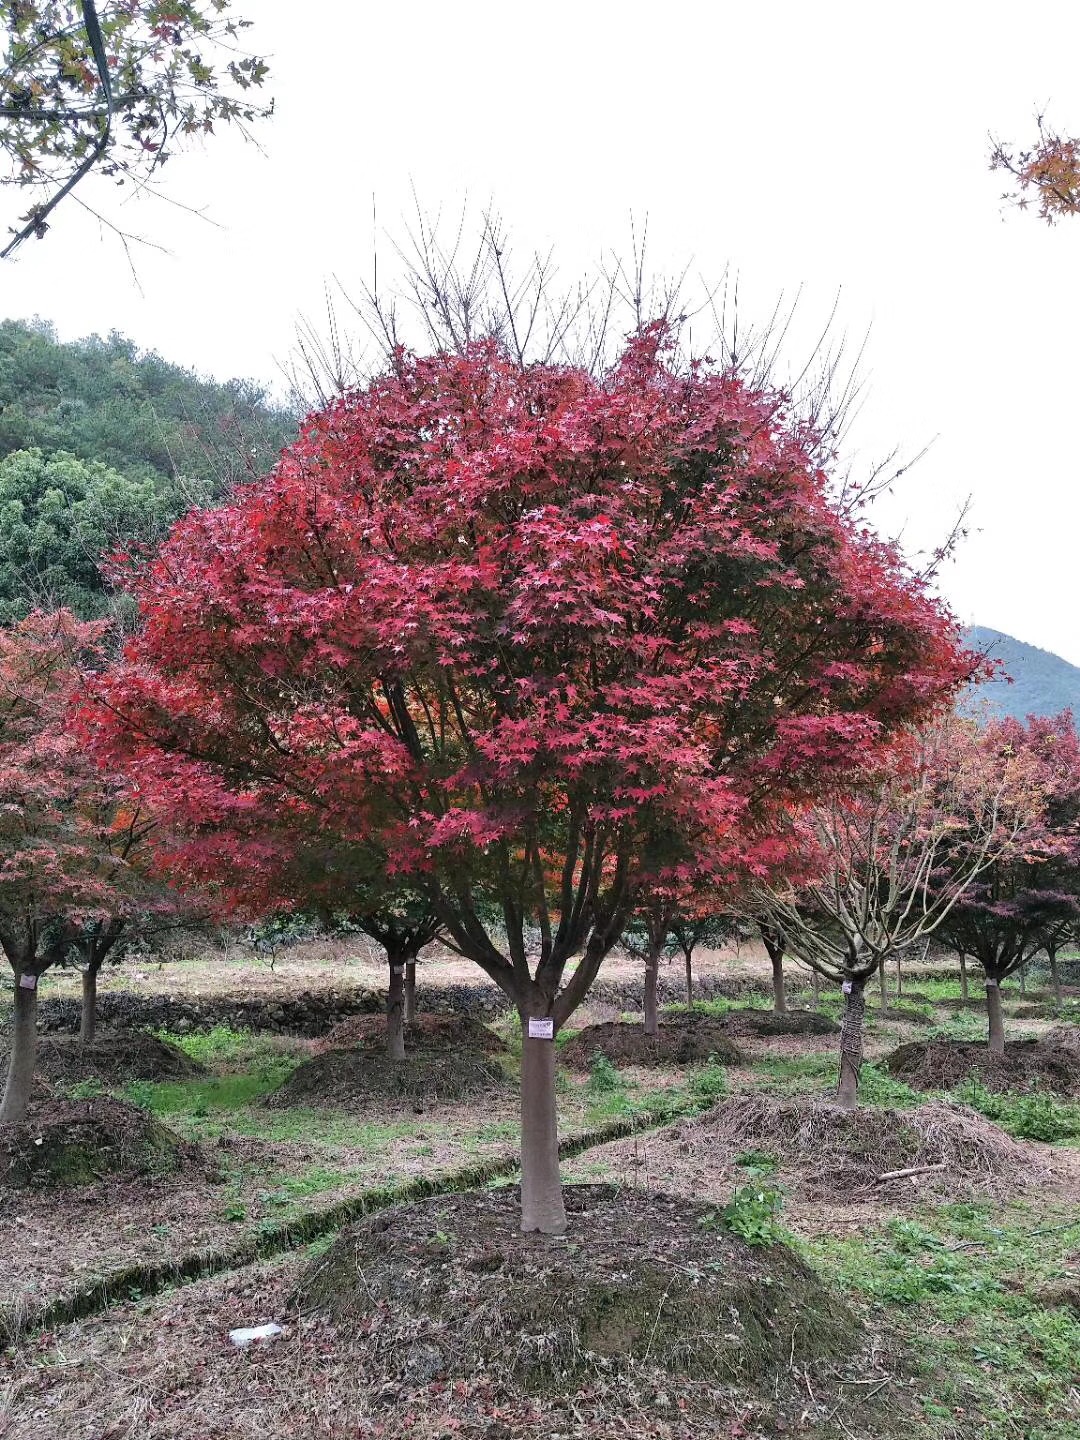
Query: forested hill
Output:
(101,443)
(1043,683)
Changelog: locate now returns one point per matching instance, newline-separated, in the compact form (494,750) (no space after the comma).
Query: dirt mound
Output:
(63,1143)
(761,1024)
(908,1014)
(450,1033)
(685,1039)
(1026,1065)
(1065,1036)
(350,1079)
(642,1283)
(826,1152)
(114,1058)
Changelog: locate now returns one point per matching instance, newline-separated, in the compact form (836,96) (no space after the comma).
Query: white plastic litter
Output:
(242,1338)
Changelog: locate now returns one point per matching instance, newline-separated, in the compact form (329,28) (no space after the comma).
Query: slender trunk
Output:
(410,992)
(851,1044)
(652,975)
(395,1011)
(542,1205)
(815,987)
(779,998)
(1023,979)
(996,1029)
(899,976)
(689,982)
(883,987)
(963,978)
(22,1056)
(88,1015)
(1055,978)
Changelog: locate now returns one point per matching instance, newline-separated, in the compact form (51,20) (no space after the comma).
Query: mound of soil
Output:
(65,1143)
(641,1283)
(449,1033)
(350,1079)
(902,1012)
(1026,1065)
(114,1058)
(762,1024)
(683,1040)
(1039,1010)
(824,1151)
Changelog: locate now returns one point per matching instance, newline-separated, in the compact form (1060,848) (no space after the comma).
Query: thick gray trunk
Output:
(410,992)
(851,1046)
(652,975)
(1023,979)
(815,987)
(395,1011)
(779,996)
(883,987)
(996,1025)
(23,1056)
(963,978)
(88,1014)
(542,1205)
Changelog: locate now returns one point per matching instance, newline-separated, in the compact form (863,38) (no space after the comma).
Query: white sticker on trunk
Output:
(27,981)
(541,1028)
(847,987)
(990,984)
(397,969)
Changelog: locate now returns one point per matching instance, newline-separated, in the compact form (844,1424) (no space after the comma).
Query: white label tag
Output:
(847,987)
(27,981)
(542,1028)
(397,969)
(990,984)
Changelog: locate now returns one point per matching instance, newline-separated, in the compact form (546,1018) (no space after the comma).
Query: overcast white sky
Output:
(835,146)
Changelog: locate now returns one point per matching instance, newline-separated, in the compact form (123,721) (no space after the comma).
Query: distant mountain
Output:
(1043,683)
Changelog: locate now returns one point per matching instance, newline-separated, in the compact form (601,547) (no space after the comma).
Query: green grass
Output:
(960,1287)
(1037,1116)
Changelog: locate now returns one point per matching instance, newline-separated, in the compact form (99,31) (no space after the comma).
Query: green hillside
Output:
(102,443)
(1043,683)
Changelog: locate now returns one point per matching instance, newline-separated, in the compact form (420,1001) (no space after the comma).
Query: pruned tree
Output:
(514,619)
(1030,894)
(117,87)
(885,865)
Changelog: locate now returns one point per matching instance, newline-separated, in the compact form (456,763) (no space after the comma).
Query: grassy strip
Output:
(148,1278)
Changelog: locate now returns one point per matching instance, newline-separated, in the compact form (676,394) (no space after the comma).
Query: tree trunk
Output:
(1055,978)
(88,1014)
(883,987)
(689,983)
(993,1012)
(395,1011)
(815,987)
(779,997)
(541,1187)
(963,978)
(410,992)
(652,975)
(23,1055)
(851,1045)
(1023,979)
(899,975)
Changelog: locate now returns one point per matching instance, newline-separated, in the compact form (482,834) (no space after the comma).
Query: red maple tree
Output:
(70,881)
(498,624)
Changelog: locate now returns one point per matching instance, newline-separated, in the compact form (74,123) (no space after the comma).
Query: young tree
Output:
(66,829)
(883,868)
(772,937)
(514,620)
(118,88)
(1031,891)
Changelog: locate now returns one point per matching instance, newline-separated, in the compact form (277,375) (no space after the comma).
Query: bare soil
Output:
(351,1079)
(450,1033)
(65,1143)
(684,1039)
(764,1024)
(647,1287)
(113,1058)
(1041,1064)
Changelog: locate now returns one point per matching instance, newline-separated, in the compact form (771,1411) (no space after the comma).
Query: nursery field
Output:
(742,1259)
